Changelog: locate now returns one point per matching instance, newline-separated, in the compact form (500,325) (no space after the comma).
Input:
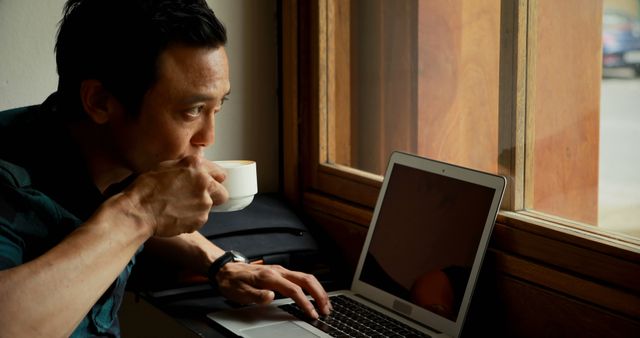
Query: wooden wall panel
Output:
(290,173)
(344,239)
(506,306)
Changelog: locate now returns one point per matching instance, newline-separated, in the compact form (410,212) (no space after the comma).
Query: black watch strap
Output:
(229,256)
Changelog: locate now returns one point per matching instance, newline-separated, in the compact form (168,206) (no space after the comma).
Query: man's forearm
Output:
(192,251)
(50,295)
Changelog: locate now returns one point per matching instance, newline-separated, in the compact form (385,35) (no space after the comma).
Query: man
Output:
(113,162)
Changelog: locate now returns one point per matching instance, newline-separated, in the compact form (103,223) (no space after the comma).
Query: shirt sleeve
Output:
(11,244)
(30,222)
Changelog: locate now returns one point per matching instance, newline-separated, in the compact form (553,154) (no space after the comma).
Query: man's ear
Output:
(98,102)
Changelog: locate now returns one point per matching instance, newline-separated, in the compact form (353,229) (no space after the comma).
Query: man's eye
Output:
(195,111)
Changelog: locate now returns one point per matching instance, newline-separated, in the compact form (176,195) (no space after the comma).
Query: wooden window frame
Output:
(578,265)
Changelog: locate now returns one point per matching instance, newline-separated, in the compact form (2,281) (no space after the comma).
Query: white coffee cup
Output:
(241,183)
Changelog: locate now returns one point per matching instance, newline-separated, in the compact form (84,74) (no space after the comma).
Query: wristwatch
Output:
(229,256)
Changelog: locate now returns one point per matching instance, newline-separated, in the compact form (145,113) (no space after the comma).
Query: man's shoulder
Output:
(13,175)
(28,115)
(11,116)
(16,131)
(22,134)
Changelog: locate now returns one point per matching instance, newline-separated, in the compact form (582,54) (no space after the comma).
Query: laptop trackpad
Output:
(280,330)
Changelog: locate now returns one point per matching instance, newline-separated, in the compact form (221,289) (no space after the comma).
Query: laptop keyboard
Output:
(352,319)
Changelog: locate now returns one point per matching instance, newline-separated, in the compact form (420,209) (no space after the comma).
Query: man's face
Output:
(177,115)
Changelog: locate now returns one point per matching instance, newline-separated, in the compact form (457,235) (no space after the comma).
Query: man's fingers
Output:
(218,192)
(312,285)
(247,294)
(275,278)
(265,297)
(218,174)
(250,283)
(212,169)
(191,161)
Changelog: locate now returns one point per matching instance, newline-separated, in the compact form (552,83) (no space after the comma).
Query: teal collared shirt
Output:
(45,194)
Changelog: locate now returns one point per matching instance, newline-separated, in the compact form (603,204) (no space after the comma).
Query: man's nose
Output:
(205,136)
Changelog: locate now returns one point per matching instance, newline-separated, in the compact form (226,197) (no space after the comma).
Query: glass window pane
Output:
(619,178)
(423,76)
(563,78)
(418,81)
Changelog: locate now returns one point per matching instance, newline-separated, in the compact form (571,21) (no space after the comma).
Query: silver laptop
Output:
(419,264)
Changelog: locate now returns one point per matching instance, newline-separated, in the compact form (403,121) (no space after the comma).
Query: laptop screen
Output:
(426,237)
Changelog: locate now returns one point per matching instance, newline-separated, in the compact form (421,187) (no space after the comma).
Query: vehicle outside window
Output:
(621,41)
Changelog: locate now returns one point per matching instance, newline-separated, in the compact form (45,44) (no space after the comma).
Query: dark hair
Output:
(117,42)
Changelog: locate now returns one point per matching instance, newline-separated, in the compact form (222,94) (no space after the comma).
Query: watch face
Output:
(227,257)
(238,257)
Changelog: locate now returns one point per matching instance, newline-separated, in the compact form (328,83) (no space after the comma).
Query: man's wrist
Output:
(123,211)
(230,256)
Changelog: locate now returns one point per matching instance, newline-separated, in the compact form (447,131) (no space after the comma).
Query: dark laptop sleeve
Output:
(266,230)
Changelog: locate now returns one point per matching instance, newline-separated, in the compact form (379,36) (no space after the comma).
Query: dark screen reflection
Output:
(428,230)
